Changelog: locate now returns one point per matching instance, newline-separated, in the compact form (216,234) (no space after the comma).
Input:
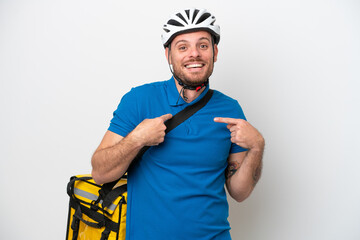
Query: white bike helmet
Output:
(190,20)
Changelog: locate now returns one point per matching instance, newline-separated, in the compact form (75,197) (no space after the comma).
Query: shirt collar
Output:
(174,96)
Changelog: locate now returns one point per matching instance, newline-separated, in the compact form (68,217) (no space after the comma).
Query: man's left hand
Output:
(243,133)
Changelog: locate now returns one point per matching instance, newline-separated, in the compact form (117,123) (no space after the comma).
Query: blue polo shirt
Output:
(176,191)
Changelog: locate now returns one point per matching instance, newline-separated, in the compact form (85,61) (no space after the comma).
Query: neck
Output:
(190,94)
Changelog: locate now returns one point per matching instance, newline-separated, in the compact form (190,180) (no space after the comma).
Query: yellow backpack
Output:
(96,212)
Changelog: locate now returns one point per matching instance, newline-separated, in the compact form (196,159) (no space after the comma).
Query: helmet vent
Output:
(188,13)
(181,16)
(195,14)
(175,23)
(203,18)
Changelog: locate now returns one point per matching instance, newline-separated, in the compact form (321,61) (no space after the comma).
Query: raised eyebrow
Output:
(205,38)
(180,41)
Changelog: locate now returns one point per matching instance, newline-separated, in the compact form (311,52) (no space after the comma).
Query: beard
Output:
(193,78)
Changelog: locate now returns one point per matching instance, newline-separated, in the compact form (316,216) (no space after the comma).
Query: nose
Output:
(194,52)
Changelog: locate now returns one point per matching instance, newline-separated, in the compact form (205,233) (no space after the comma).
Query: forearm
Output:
(112,162)
(243,177)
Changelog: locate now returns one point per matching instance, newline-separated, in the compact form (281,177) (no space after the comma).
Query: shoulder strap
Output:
(181,116)
(187,112)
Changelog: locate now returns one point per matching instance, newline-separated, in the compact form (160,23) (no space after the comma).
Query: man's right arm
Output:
(115,153)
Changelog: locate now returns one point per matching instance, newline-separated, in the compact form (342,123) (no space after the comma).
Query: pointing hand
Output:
(242,133)
(151,132)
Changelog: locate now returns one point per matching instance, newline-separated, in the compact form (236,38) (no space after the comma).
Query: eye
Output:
(204,46)
(182,48)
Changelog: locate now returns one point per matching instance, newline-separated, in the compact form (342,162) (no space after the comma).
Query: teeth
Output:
(194,65)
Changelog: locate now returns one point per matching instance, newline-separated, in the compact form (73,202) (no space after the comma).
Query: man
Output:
(176,191)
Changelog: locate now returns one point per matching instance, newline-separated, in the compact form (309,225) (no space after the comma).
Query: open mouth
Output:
(194,65)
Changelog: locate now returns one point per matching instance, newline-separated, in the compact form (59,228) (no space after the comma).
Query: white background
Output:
(292,65)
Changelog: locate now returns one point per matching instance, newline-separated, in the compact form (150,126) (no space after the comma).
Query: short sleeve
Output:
(239,115)
(125,117)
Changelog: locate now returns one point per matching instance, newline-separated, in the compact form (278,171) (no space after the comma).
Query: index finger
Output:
(226,120)
(166,117)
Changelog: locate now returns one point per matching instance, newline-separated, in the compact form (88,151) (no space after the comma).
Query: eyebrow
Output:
(185,41)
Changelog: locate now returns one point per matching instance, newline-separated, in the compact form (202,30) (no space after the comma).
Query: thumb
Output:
(166,117)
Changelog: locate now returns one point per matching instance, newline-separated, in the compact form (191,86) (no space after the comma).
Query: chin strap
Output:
(185,86)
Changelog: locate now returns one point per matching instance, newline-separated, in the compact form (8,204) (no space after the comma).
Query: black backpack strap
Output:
(187,112)
(113,194)
(181,116)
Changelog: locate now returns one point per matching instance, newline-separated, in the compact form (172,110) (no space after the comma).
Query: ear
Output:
(215,52)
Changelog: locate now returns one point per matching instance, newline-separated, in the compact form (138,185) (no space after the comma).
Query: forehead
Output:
(192,37)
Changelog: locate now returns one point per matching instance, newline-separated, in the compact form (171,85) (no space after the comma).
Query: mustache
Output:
(197,60)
